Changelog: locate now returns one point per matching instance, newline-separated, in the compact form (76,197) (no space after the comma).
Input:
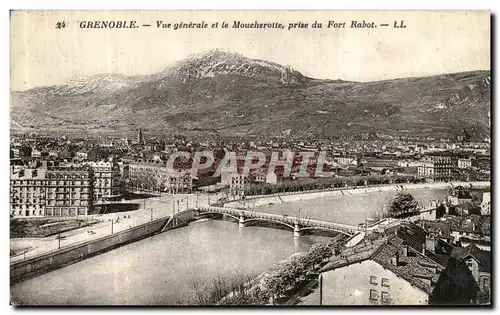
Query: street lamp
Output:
(59,237)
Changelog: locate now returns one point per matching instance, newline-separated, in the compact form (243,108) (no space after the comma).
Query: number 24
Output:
(60,24)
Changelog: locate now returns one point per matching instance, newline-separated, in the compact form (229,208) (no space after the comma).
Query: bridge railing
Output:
(285,219)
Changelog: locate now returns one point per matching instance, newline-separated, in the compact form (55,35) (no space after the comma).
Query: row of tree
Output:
(327,183)
(273,283)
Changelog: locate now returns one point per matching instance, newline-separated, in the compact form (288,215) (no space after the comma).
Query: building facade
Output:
(368,283)
(155,176)
(56,191)
(28,192)
(238,184)
(479,263)
(437,168)
(70,191)
(464,163)
(107,180)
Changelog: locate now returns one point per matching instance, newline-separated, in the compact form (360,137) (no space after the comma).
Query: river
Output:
(166,268)
(351,209)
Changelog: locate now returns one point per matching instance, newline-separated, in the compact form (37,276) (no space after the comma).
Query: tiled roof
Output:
(483,257)
(436,226)
(413,235)
(414,267)
(471,223)
(419,270)
(354,254)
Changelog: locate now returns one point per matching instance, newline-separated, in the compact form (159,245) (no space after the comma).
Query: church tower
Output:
(140,138)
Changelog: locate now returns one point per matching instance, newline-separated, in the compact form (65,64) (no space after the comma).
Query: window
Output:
(373,280)
(469,263)
(486,284)
(385,297)
(385,282)
(374,295)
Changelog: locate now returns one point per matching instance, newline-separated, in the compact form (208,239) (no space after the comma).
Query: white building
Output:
(271,178)
(426,169)
(464,163)
(237,184)
(107,180)
(486,204)
(347,161)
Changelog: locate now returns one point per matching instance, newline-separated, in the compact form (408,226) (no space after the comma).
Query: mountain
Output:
(230,94)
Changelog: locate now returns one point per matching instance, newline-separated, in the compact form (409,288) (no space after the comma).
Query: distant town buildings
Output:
(437,168)
(345,160)
(87,155)
(140,138)
(155,176)
(464,163)
(21,152)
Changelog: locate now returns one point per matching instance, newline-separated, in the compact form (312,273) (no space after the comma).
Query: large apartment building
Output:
(238,184)
(70,190)
(28,192)
(437,167)
(107,180)
(56,191)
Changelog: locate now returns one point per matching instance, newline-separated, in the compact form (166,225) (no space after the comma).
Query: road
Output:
(156,207)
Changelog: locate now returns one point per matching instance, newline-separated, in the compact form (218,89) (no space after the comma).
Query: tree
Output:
(318,252)
(403,205)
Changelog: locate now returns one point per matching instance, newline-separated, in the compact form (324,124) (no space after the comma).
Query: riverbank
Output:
(282,283)
(31,267)
(167,269)
(257,201)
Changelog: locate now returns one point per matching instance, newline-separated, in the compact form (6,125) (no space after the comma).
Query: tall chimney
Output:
(430,243)
(405,250)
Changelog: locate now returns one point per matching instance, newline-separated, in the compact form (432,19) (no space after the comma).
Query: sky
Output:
(433,42)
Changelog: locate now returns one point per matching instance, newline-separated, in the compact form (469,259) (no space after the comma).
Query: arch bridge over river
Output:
(296,224)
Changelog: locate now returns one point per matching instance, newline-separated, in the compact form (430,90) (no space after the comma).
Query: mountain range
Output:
(230,94)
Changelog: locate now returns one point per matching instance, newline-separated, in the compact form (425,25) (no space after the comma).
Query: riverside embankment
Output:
(256,201)
(25,269)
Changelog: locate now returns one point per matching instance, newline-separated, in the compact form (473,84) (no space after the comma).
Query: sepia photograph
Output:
(250,158)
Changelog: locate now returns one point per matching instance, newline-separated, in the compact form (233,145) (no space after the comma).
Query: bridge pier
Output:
(296,230)
(241,222)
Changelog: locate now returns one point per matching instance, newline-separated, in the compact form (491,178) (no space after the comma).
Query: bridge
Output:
(296,224)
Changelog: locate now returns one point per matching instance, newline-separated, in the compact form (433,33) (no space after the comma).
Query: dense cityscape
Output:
(165,158)
(75,178)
